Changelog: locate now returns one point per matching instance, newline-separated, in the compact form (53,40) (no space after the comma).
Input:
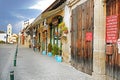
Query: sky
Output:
(15,12)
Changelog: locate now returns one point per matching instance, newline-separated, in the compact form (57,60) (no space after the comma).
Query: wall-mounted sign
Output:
(111,29)
(89,36)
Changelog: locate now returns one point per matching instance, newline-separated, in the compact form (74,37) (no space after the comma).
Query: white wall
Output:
(3,36)
(66,46)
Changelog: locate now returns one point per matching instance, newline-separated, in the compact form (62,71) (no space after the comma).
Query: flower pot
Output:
(49,54)
(44,52)
(58,58)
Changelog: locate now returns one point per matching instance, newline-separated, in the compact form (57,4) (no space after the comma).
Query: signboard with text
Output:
(89,36)
(111,29)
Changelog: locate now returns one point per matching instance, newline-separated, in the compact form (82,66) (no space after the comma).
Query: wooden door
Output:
(113,60)
(82,37)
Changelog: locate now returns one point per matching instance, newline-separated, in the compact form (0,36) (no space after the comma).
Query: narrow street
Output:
(6,56)
(35,66)
(60,40)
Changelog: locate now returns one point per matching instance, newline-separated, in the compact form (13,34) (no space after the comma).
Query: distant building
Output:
(2,36)
(13,38)
(24,36)
(2,32)
(9,32)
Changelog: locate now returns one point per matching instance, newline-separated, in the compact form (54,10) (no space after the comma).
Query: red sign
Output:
(111,29)
(89,36)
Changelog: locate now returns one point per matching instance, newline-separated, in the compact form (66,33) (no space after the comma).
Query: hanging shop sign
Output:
(89,36)
(111,29)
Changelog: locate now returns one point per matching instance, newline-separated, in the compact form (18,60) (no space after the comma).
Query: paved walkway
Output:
(35,66)
(6,57)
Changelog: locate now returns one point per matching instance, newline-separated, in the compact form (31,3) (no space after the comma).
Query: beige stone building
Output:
(91,42)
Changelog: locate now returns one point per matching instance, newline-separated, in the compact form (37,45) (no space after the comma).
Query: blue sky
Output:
(15,12)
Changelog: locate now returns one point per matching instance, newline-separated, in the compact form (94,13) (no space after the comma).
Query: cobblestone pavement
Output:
(35,66)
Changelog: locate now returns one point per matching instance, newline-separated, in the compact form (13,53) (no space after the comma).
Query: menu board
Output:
(111,29)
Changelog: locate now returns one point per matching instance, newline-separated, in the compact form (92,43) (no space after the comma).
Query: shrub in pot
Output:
(49,49)
(55,49)
(56,53)
(43,49)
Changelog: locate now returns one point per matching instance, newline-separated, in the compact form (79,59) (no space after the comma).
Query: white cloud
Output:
(19,16)
(42,5)
(20,25)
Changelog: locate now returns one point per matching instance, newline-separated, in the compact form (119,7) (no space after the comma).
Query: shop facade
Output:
(91,42)
(50,28)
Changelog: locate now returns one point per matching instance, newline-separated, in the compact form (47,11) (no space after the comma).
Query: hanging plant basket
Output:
(61,25)
(65,30)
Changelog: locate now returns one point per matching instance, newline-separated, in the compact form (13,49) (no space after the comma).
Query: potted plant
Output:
(39,45)
(56,53)
(43,49)
(55,49)
(49,49)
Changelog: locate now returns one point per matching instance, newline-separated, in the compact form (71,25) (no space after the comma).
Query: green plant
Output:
(2,42)
(64,28)
(62,24)
(43,46)
(39,45)
(55,49)
(49,47)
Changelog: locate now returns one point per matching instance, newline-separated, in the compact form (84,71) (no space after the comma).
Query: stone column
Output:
(99,41)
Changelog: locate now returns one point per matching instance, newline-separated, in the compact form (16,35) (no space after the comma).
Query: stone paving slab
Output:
(35,66)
